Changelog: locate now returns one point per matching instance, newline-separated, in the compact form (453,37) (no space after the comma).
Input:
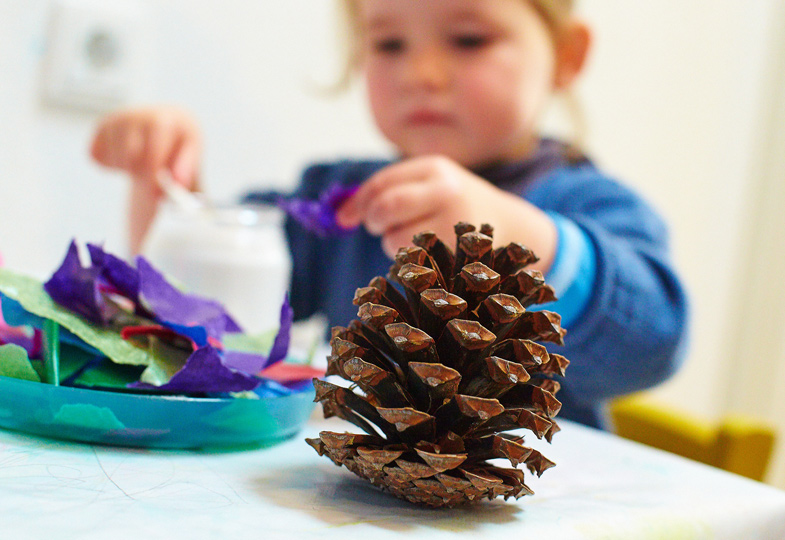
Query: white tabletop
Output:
(602,488)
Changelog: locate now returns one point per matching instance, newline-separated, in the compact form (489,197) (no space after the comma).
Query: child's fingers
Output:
(98,147)
(398,237)
(117,144)
(399,205)
(102,148)
(355,210)
(115,140)
(159,143)
(130,149)
(184,162)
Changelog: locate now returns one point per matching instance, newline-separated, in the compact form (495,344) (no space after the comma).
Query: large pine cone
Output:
(441,368)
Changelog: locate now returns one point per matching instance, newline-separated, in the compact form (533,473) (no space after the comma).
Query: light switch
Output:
(92,57)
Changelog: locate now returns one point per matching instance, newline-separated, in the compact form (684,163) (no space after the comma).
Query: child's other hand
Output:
(434,193)
(141,142)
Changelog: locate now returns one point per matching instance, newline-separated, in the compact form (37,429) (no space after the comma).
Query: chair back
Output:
(736,443)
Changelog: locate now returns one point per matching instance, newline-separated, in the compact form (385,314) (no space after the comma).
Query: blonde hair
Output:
(555,13)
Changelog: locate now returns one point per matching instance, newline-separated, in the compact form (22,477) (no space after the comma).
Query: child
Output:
(458,86)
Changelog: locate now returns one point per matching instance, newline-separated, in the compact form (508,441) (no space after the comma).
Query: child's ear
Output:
(572,50)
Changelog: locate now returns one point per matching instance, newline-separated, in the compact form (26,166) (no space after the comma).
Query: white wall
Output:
(673,106)
(673,97)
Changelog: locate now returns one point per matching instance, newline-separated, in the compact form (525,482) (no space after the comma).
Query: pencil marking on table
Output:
(231,488)
(108,476)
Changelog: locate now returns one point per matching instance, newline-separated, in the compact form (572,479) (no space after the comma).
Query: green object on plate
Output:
(51,345)
(15,363)
(150,421)
(252,343)
(30,293)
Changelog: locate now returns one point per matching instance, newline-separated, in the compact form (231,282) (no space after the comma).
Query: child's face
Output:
(466,79)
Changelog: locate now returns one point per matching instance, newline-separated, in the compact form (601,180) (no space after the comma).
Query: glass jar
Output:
(237,255)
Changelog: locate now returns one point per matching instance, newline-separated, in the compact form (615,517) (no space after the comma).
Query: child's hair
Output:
(555,13)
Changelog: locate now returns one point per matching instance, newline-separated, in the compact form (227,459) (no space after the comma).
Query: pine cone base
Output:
(421,483)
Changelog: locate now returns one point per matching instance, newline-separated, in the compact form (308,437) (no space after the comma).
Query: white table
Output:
(602,488)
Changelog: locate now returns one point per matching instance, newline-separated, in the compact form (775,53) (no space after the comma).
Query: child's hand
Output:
(144,141)
(434,193)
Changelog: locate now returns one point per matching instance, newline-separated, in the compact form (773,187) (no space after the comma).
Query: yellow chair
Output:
(736,443)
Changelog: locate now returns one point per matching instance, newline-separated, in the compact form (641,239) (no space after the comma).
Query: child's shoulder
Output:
(584,183)
(585,192)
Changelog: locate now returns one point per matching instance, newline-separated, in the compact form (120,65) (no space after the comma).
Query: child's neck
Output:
(520,154)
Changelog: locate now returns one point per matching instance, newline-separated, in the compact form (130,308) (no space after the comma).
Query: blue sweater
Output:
(628,335)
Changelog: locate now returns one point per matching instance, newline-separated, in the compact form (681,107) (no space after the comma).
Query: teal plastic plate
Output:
(149,421)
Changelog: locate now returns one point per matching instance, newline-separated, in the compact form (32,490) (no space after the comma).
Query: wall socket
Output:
(92,56)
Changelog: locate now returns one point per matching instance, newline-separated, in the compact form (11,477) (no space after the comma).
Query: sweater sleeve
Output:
(573,271)
(631,331)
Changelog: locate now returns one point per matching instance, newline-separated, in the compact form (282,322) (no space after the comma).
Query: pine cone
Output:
(441,368)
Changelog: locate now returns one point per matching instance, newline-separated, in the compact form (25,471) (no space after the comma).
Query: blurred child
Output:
(459,87)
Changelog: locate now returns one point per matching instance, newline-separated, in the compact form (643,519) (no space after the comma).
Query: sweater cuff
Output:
(573,271)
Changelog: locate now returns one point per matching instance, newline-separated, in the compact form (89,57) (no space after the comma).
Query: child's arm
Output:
(434,193)
(142,142)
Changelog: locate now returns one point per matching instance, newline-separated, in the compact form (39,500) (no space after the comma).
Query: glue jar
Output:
(237,255)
